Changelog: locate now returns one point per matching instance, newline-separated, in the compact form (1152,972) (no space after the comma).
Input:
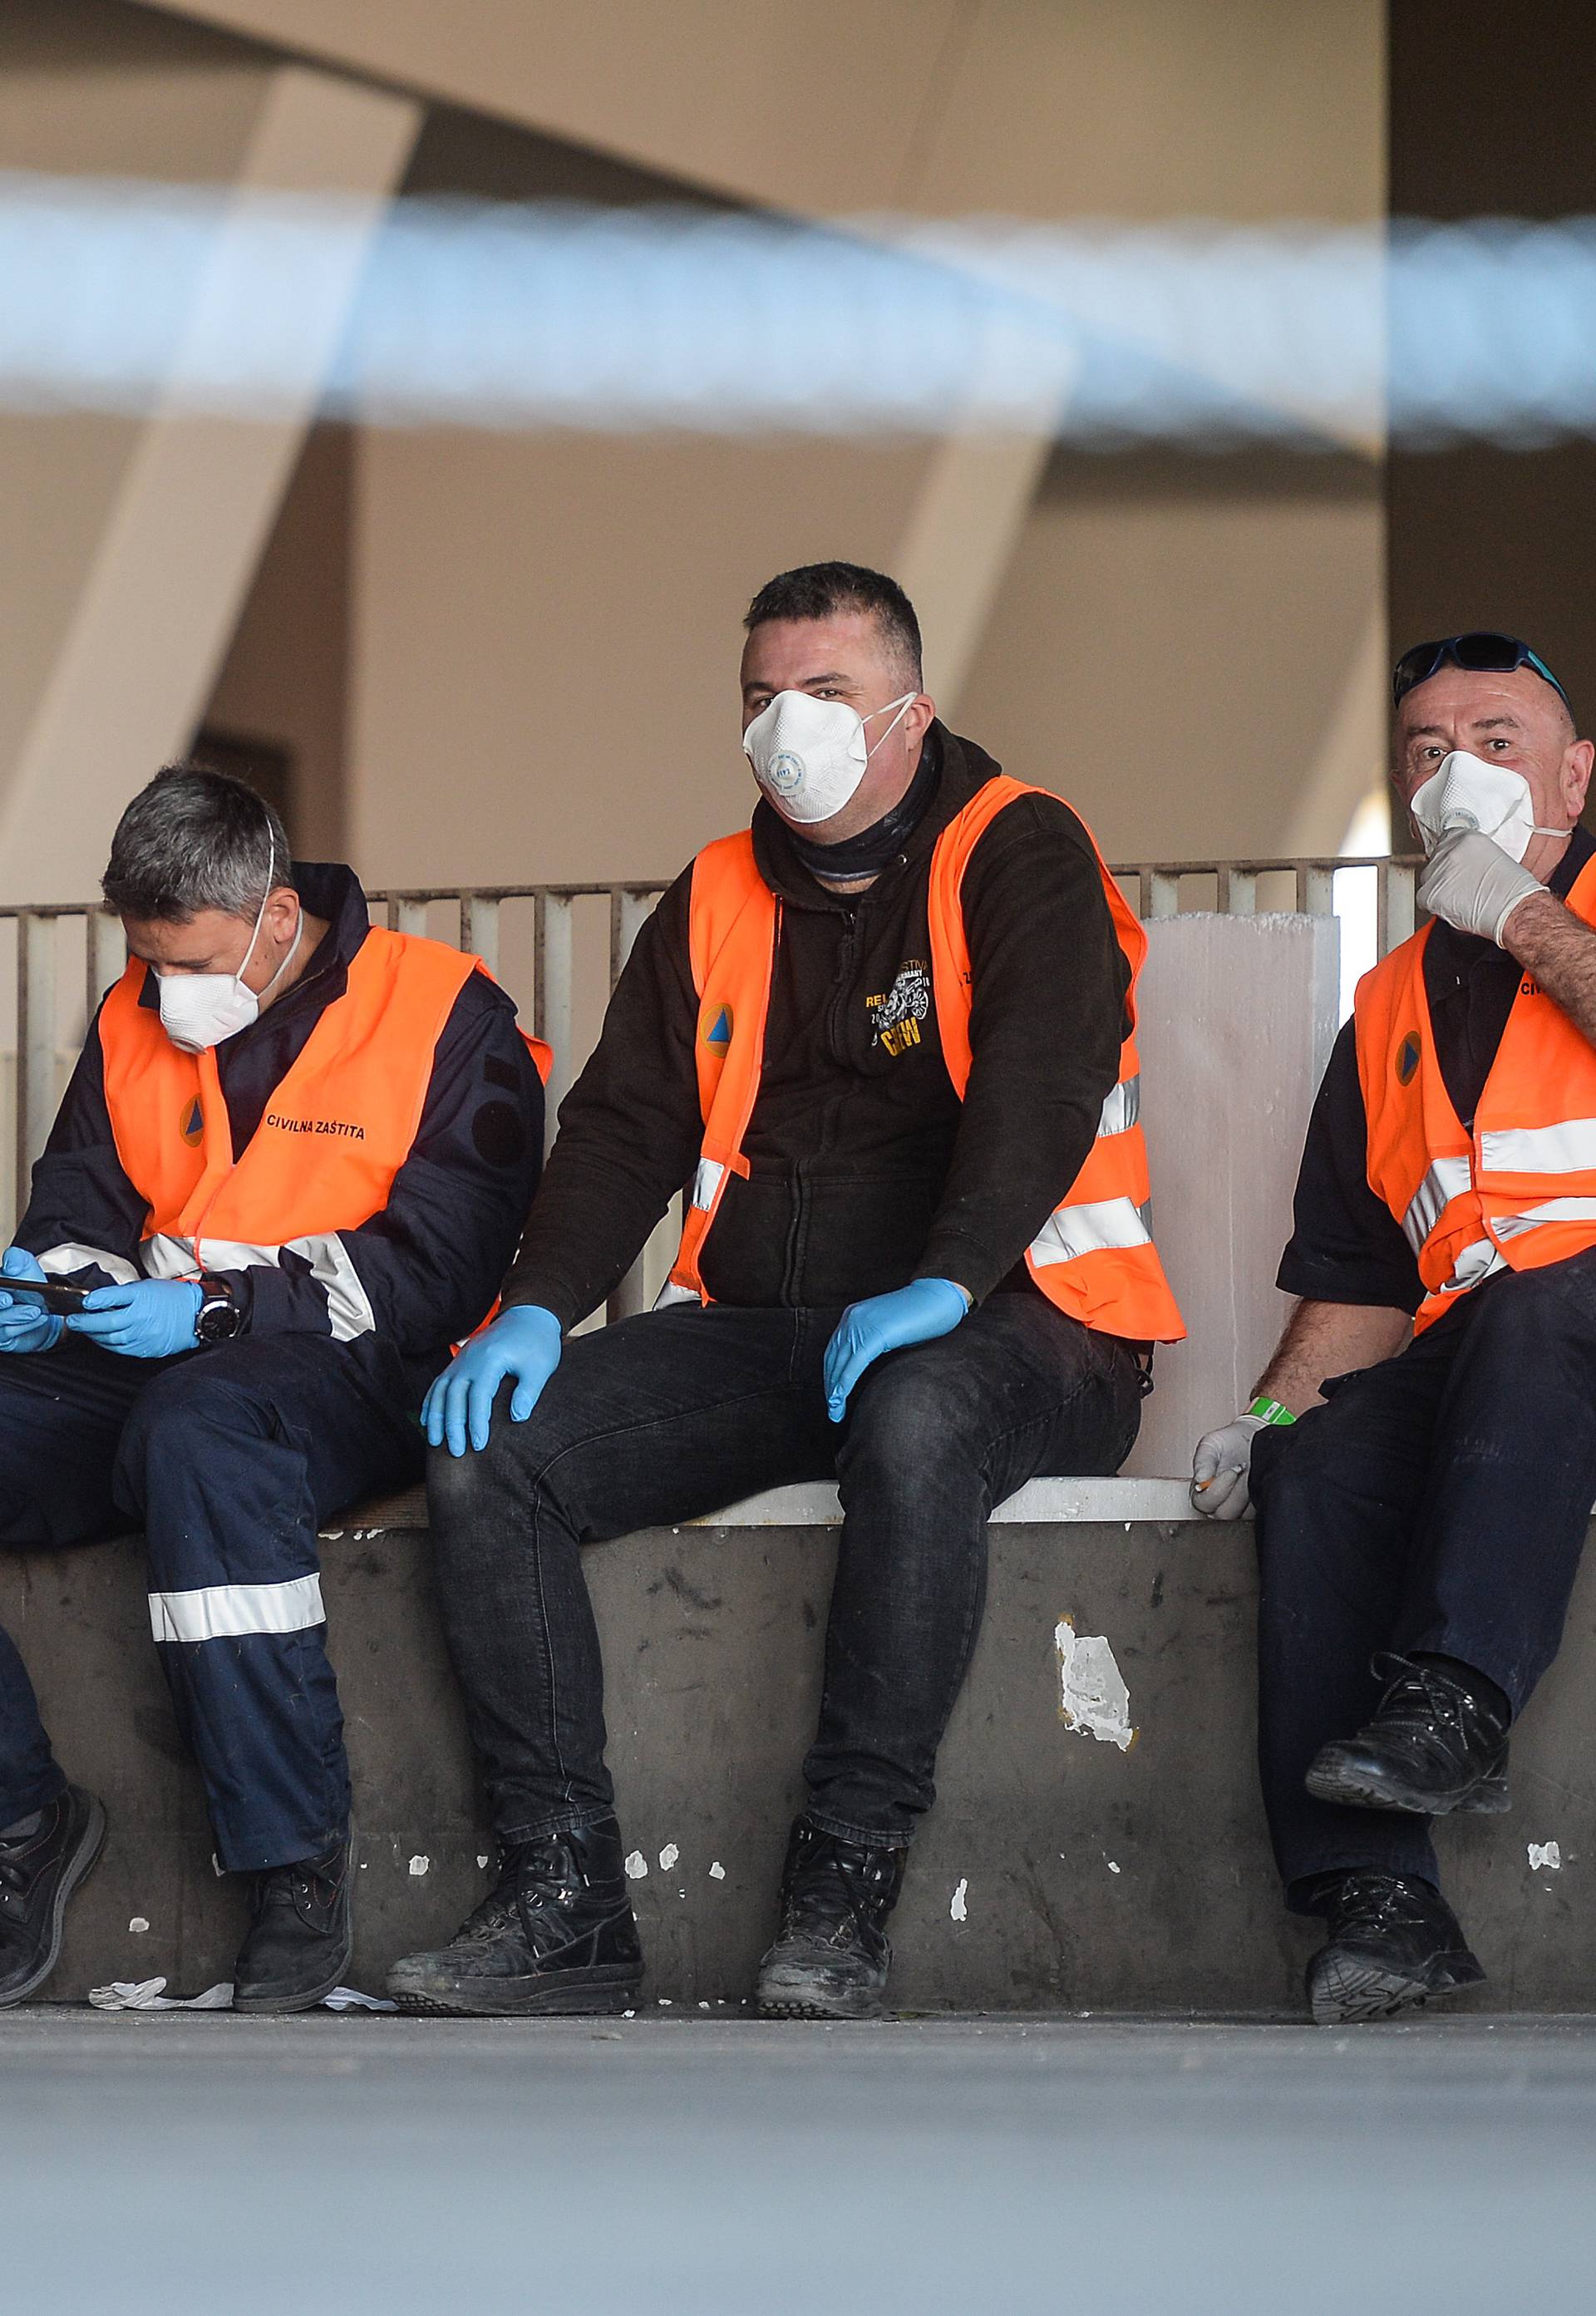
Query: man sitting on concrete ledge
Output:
(1419,1531)
(884,1036)
(290,1167)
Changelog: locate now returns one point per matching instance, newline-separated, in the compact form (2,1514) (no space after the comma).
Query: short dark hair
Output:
(814,591)
(195,840)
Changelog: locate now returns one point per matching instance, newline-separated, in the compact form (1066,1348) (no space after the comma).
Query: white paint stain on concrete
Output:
(957,1911)
(418,1866)
(1544,1853)
(1093,1698)
(481,1860)
(1113,1868)
(637,1866)
(668,1856)
(717,1872)
(137,1925)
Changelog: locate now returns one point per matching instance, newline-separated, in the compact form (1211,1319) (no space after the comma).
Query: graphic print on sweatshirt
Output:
(896,1013)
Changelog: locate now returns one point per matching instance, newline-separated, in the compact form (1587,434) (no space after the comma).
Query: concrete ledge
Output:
(815,1504)
(1056,1872)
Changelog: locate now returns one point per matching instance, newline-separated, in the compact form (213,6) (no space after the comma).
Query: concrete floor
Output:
(711,2165)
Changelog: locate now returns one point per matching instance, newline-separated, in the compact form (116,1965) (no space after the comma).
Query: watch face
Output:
(217,1320)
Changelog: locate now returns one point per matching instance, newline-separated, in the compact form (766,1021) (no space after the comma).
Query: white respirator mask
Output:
(1464,791)
(201,1009)
(808,755)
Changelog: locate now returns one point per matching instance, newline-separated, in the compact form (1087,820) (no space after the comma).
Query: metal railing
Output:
(67,954)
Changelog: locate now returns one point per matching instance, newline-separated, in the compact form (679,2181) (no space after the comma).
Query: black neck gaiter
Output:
(869,852)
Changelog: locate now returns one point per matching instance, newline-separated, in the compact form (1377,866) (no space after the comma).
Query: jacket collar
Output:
(963,768)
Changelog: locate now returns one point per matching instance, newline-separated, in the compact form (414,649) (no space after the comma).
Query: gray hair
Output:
(195,840)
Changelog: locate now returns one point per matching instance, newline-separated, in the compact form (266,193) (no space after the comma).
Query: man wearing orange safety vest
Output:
(883,1042)
(288,1173)
(1423,1448)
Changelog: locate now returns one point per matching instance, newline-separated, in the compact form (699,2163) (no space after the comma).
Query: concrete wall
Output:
(1483,537)
(285,678)
(90,87)
(1085,1877)
(1181,644)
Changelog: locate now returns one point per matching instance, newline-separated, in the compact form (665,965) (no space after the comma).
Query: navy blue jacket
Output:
(424,1270)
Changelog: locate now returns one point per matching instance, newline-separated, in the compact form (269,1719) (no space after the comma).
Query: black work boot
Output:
(831,1954)
(556,1934)
(1393,1941)
(38,1872)
(1435,1745)
(299,1942)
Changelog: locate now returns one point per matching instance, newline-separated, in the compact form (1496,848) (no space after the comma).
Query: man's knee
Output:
(910,1417)
(184,1403)
(1526,1316)
(518,1461)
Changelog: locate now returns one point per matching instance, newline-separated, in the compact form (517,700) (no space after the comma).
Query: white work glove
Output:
(1473,884)
(1220,1466)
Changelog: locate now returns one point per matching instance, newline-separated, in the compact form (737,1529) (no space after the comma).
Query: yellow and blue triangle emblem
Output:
(193,1128)
(717,1037)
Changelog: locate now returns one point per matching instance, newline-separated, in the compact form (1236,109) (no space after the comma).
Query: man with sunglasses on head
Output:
(1421,1449)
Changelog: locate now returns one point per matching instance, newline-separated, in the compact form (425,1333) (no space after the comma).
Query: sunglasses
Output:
(1480,652)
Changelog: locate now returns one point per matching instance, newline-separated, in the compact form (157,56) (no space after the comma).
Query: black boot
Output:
(38,1872)
(1438,1743)
(557,1934)
(299,1942)
(1394,1940)
(831,1954)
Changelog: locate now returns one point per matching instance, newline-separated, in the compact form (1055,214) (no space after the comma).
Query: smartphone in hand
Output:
(48,1294)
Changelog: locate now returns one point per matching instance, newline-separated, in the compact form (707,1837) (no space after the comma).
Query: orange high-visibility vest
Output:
(1519,1190)
(337,1128)
(1094,1257)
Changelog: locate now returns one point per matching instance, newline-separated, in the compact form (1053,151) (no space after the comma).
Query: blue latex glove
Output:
(152,1319)
(523,1342)
(23,1326)
(915,1314)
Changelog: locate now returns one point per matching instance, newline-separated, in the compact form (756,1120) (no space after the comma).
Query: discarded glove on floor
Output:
(150,1994)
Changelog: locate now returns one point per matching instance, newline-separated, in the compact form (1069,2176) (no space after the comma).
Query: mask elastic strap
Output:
(903,707)
(292,953)
(261,911)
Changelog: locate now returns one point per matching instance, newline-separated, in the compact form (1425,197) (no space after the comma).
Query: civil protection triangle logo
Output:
(717,1037)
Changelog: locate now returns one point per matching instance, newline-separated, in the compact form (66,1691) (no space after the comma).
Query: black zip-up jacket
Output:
(418,1276)
(866,1171)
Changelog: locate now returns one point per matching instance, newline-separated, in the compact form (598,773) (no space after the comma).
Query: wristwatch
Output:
(219,1318)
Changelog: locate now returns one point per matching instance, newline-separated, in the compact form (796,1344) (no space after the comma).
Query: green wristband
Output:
(1270,1410)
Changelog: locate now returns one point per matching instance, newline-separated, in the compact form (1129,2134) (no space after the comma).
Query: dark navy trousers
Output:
(229,1458)
(1437,1504)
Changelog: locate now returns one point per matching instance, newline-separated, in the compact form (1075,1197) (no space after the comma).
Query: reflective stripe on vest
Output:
(1094,1257)
(335,1131)
(1519,1190)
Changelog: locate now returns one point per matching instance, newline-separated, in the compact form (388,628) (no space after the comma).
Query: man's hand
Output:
(1474,884)
(1220,1466)
(523,1342)
(915,1314)
(151,1319)
(23,1326)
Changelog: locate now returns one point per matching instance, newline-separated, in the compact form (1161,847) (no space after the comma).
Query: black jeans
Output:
(1438,1503)
(229,1458)
(684,1410)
